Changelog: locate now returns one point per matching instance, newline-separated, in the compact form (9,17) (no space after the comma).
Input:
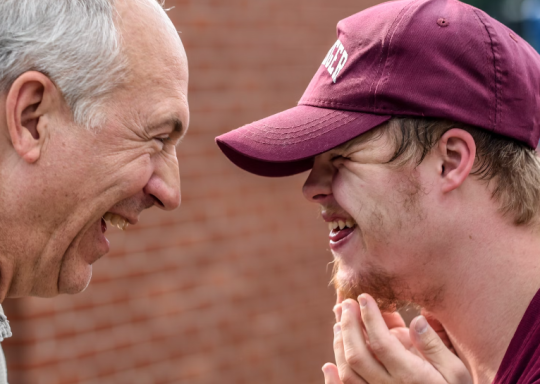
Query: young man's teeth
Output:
(117,221)
(341,224)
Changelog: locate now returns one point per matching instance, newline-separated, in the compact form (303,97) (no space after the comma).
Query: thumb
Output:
(331,374)
(430,345)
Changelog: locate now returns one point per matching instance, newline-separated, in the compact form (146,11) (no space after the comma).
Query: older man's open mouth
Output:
(117,220)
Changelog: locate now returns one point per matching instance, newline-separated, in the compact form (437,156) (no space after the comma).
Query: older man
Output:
(420,130)
(93,104)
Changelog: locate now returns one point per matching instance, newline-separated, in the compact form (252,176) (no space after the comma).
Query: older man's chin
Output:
(72,278)
(75,281)
(76,270)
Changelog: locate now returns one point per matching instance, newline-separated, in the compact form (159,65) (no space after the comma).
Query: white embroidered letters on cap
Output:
(330,54)
(337,51)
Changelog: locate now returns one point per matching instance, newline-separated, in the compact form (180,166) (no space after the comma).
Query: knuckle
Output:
(338,343)
(433,346)
(357,366)
(378,347)
(409,378)
(354,359)
(347,377)
(347,322)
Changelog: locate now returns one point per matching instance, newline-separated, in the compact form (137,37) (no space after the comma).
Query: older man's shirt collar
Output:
(5,329)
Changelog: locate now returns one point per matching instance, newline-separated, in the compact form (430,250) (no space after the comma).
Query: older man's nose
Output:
(166,194)
(318,186)
(164,187)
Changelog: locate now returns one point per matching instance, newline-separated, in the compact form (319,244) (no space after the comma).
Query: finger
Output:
(438,327)
(430,345)
(346,373)
(356,350)
(402,334)
(337,312)
(390,352)
(393,320)
(331,374)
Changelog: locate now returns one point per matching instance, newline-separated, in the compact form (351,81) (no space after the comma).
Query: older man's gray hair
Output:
(74,42)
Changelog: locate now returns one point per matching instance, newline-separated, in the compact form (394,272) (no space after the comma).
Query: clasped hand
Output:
(372,348)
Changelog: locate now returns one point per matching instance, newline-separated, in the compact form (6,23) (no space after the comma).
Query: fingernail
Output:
(363,301)
(421,325)
(345,306)
(337,329)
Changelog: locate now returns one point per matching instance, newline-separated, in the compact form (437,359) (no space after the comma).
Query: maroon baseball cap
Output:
(428,58)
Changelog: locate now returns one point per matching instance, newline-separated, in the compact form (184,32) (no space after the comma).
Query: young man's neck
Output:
(487,297)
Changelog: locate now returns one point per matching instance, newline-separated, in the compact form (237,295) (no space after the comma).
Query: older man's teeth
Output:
(333,225)
(116,220)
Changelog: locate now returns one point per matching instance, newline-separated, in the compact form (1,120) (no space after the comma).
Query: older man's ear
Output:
(31,101)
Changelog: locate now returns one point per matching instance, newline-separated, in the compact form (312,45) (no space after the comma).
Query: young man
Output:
(420,130)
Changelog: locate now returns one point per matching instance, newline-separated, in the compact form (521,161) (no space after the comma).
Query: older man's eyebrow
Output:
(174,122)
(177,128)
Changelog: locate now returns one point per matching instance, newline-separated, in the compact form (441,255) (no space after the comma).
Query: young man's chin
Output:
(383,287)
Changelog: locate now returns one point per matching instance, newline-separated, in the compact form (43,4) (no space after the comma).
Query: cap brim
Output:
(286,143)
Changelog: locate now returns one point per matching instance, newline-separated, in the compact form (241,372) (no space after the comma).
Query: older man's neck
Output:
(486,299)
(6,278)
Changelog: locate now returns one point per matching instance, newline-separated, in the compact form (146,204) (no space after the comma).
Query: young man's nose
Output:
(164,187)
(318,186)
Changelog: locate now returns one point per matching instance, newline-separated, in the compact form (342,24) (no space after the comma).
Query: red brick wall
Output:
(231,288)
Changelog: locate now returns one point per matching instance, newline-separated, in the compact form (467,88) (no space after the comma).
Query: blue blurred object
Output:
(522,16)
(530,12)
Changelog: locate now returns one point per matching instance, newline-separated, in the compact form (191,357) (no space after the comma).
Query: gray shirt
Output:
(3,368)
(5,332)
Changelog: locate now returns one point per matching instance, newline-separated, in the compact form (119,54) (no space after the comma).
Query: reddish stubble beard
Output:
(387,290)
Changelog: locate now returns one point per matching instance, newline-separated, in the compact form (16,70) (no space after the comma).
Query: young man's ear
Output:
(31,97)
(458,152)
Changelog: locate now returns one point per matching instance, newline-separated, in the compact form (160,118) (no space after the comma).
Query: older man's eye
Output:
(162,139)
